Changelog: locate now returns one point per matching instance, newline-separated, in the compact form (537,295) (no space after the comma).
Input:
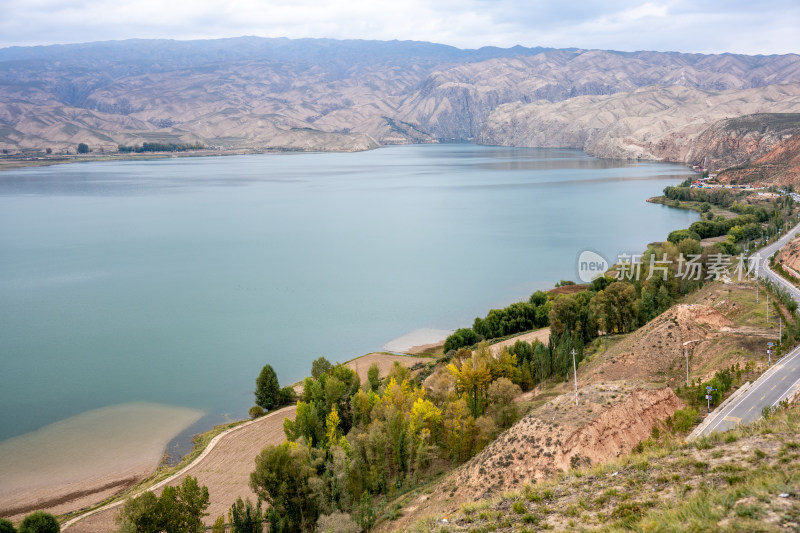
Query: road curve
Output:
(777,383)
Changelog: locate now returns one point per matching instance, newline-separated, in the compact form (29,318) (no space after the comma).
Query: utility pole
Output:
(575,371)
(780,329)
(767,307)
(686,352)
(769,353)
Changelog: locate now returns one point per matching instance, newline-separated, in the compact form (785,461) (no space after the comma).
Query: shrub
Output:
(683,419)
(256,411)
(39,522)
(337,523)
(287,395)
(6,526)
(460,338)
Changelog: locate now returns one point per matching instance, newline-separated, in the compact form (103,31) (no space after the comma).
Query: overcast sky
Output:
(705,26)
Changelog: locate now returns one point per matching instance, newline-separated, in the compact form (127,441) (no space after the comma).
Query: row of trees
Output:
(160,147)
(36,522)
(684,193)
(517,317)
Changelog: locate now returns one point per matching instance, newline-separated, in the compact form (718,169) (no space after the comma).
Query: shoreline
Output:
(409,348)
(33,161)
(18,162)
(88,457)
(106,487)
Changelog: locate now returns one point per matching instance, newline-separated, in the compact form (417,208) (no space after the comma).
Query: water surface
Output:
(173,281)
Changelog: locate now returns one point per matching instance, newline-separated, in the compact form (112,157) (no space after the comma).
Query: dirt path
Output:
(384,361)
(541,335)
(224,467)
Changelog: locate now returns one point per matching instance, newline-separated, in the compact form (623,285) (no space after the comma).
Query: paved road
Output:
(764,270)
(775,384)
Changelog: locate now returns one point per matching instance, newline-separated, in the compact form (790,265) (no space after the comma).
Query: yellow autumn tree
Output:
(425,416)
(332,422)
(473,376)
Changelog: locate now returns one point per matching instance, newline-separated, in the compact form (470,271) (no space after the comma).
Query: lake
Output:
(174,281)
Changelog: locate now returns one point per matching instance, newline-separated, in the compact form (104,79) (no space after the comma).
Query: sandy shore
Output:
(412,342)
(82,460)
(225,465)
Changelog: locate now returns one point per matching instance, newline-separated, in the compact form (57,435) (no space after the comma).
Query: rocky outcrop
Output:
(738,141)
(781,166)
(652,123)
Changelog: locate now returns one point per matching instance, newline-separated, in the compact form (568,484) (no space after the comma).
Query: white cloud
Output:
(682,25)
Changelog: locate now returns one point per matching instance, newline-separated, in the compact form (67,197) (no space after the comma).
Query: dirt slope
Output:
(550,440)
(789,257)
(781,166)
(652,352)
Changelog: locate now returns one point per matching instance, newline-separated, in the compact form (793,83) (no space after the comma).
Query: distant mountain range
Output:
(319,94)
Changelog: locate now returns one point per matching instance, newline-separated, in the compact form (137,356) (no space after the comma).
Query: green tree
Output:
(614,307)
(319,367)
(83,148)
(374,377)
(286,396)
(6,526)
(219,525)
(460,338)
(178,510)
(267,388)
(39,522)
(286,476)
(245,518)
(459,430)
(502,407)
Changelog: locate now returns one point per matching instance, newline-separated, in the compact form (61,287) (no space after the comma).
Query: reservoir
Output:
(173,281)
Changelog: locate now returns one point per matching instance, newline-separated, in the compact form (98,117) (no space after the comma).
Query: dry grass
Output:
(730,482)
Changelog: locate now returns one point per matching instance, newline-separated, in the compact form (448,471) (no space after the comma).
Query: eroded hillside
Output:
(626,389)
(307,94)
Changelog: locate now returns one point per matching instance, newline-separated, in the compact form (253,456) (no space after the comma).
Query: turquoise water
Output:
(173,281)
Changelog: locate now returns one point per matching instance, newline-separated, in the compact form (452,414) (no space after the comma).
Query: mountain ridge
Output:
(250,92)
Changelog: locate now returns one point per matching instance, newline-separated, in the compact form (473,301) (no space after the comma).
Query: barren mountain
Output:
(781,166)
(738,141)
(654,122)
(314,94)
